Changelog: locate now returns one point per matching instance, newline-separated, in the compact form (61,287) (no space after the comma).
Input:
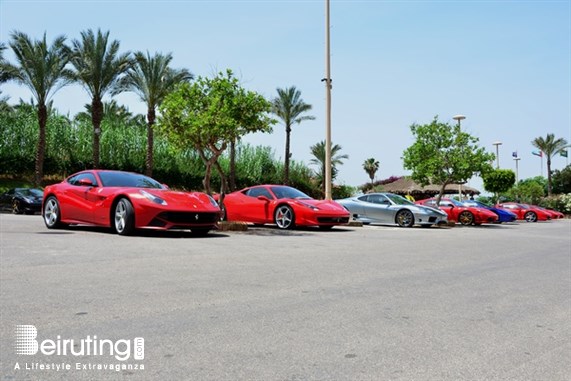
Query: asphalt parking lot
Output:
(355,303)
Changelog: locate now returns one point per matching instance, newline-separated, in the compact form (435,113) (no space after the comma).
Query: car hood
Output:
(321,204)
(181,198)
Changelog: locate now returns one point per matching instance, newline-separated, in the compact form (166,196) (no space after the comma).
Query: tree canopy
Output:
(443,154)
(209,114)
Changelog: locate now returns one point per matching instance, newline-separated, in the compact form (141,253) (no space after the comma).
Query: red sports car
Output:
(285,206)
(554,213)
(466,215)
(525,212)
(126,201)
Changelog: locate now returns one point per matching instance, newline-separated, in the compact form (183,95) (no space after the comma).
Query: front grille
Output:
(333,220)
(189,218)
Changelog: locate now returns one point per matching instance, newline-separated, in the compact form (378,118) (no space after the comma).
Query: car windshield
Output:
(126,179)
(398,200)
(454,202)
(288,192)
(30,192)
(476,204)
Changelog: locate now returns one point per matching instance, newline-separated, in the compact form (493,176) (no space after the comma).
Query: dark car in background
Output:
(22,200)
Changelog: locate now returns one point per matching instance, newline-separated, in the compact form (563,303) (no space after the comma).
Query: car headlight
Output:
(213,201)
(312,207)
(153,198)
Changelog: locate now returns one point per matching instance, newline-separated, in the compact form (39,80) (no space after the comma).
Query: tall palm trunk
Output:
(287,156)
(96,118)
(151,116)
(41,150)
(548,176)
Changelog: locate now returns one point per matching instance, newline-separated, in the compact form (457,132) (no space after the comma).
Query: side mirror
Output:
(85,182)
(263,198)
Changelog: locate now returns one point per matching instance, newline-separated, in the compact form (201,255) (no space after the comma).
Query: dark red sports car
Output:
(525,212)
(285,206)
(126,201)
(466,215)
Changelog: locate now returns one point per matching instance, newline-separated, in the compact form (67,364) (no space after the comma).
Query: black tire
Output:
(466,218)
(16,208)
(52,213)
(123,218)
(404,218)
(284,217)
(530,217)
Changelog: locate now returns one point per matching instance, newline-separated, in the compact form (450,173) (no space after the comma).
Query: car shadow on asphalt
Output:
(138,233)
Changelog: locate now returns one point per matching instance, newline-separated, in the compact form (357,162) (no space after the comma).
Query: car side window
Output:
(364,198)
(256,192)
(445,203)
(378,199)
(75,179)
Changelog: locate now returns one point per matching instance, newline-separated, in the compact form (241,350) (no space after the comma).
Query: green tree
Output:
(318,152)
(562,180)
(42,69)
(290,108)
(499,180)
(550,147)
(528,191)
(443,154)
(151,78)
(371,166)
(209,114)
(98,67)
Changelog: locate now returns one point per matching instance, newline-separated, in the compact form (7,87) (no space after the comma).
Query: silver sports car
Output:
(389,208)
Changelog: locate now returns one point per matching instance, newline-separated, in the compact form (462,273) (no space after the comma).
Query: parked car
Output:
(554,213)
(466,215)
(525,212)
(389,208)
(282,205)
(126,201)
(503,214)
(22,200)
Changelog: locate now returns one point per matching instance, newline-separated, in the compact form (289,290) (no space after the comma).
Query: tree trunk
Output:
(287,155)
(41,148)
(96,118)
(232,175)
(150,142)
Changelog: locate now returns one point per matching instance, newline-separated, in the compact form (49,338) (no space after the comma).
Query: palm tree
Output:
(550,147)
(318,152)
(151,79)
(41,68)
(289,107)
(371,166)
(98,67)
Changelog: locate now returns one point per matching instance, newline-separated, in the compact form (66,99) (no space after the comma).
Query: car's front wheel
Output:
(124,217)
(52,213)
(405,218)
(530,217)
(284,217)
(466,218)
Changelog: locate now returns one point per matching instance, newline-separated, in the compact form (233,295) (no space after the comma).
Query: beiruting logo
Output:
(27,344)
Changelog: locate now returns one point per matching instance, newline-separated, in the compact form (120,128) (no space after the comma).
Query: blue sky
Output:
(506,65)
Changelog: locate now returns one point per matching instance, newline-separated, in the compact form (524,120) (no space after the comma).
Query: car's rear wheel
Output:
(530,217)
(284,217)
(405,218)
(466,218)
(52,213)
(16,209)
(124,217)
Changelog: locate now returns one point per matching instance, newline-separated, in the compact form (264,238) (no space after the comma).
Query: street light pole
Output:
(327,80)
(459,118)
(497,144)
(517,159)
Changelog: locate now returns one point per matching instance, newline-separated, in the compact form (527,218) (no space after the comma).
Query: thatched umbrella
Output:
(406,185)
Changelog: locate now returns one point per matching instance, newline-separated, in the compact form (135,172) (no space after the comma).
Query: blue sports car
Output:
(503,215)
